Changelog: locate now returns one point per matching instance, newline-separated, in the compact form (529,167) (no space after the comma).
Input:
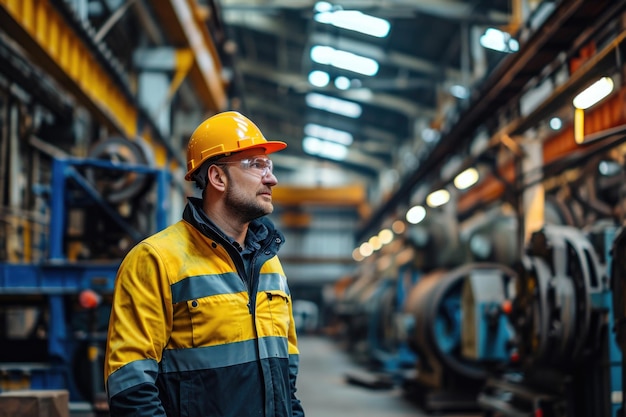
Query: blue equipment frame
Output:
(57,277)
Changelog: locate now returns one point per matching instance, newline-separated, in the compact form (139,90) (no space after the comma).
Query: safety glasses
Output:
(262,166)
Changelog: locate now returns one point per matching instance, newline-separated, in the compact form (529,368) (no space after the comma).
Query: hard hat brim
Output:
(269,147)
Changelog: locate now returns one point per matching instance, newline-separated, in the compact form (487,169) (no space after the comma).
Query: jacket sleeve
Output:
(294,360)
(139,327)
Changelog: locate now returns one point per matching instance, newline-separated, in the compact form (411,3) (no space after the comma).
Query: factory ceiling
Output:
(429,89)
(428,64)
(443,97)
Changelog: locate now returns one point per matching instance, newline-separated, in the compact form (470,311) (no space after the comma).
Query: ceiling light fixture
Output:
(415,214)
(556,123)
(466,178)
(342,83)
(499,41)
(594,93)
(328,133)
(333,105)
(385,236)
(324,148)
(398,227)
(459,91)
(356,21)
(438,198)
(319,78)
(375,242)
(587,98)
(356,255)
(430,135)
(343,59)
(366,249)
(323,6)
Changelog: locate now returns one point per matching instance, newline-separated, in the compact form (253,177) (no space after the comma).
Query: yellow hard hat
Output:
(223,134)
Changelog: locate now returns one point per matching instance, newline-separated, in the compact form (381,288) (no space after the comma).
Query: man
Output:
(202,322)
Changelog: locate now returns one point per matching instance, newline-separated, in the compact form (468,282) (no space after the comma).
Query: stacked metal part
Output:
(564,357)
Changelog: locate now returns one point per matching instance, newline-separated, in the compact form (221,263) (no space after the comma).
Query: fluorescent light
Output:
(594,93)
(322,54)
(328,133)
(438,198)
(333,105)
(324,148)
(499,41)
(342,83)
(415,214)
(319,78)
(343,59)
(466,178)
(356,21)
(323,6)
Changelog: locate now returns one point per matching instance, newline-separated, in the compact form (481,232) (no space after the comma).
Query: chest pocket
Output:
(275,312)
(217,319)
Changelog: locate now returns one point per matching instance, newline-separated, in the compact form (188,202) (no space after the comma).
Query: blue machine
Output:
(618,288)
(388,327)
(446,380)
(486,332)
(568,362)
(60,307)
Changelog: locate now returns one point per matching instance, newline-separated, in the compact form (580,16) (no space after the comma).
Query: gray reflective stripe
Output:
(230,283)
(138,372)
(294,360)
(212,357)
(269,282)
(206,285)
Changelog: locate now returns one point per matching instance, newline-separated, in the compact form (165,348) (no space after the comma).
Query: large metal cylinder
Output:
(120,186)
(435,302)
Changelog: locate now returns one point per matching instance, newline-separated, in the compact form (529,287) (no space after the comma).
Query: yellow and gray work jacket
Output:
(192,333)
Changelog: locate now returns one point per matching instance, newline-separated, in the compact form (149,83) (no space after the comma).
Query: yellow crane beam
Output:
(184,23)
(53,45)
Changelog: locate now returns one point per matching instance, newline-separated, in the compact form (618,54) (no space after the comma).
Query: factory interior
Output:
(452,193)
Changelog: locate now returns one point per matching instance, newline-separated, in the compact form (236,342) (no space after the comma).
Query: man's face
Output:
(250,182)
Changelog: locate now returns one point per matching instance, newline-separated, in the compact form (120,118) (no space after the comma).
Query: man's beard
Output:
(244,208)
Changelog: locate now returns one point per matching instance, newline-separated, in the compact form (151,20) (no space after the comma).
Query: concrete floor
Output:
(324,391)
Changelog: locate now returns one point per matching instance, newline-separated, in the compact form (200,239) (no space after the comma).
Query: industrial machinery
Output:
(445,379)
(388,324)
(54,313)
(618,290)
(373,307)
(563,358)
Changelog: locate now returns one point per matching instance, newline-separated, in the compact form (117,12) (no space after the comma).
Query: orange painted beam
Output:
(608,114)
(52,44)
(345,196)
(184,23)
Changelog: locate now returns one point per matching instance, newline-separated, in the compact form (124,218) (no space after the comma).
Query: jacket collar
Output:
(261,231)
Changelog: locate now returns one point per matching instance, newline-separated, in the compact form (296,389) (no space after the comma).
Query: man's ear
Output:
(217,178)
